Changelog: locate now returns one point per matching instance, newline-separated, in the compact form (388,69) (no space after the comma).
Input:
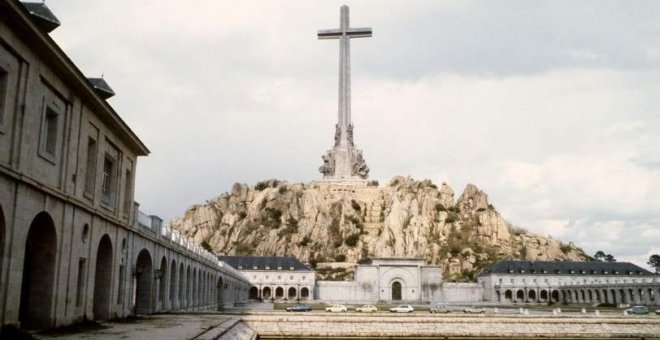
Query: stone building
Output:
(71,246)
(569,282)
(386,279)
(273,277)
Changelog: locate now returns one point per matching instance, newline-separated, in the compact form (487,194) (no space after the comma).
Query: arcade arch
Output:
(144,278)
(103,279)
(35,309)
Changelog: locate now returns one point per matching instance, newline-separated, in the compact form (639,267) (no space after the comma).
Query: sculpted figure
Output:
(328,167)
(349,131)
(360,167)
(337,134)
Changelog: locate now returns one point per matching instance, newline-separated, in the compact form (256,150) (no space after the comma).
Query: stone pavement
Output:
(155,327)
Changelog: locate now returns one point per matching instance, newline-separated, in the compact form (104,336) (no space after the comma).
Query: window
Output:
(81,281)
(304,278)
(90,174)
(50,132)
(291,278)
(109,176)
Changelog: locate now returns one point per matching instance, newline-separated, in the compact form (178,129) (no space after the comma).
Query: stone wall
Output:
(461,292)
(395,325)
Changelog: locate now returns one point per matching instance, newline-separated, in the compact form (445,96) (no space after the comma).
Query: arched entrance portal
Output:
(38,273)
(254,293)
(266,294)
(279,292)
(396,291)
(304,293)
(103,279)
(292,293)
(144,278)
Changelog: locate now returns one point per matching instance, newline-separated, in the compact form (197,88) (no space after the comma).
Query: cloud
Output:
(551,108)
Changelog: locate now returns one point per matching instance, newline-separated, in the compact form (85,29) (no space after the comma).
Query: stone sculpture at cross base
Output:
(344,163)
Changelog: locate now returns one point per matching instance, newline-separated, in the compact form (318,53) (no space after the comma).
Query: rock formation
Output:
(321,222)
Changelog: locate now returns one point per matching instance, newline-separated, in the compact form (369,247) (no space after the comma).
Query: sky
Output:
(550,107)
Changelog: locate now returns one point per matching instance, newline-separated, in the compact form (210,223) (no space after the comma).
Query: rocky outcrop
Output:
(322,222)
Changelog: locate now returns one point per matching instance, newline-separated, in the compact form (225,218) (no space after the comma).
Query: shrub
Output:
(373,183)
(305,241)
(451,218)
(261,185)
(352,240)
(440,207)
(356,205)
(340,258)
(242,215)
(206,246)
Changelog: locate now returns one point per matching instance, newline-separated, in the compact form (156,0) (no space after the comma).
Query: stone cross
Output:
(344,163)
(344,33)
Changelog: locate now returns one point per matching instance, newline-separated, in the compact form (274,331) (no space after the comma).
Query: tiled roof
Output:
(42,15)
(565,268)
(264,263)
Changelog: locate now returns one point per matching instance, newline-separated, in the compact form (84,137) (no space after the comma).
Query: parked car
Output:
(439,309)
(474,310)
(640,310)
(366,309)
(402,309)
(299,307)
(336,309)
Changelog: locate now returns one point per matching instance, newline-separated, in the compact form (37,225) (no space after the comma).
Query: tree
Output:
(602,257)
(654,261)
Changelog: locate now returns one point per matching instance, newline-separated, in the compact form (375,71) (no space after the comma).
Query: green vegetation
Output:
(602,257)
(452,217)
(356,205)
(305,241)
(440,207)
(261,185)
(206,246)
(340,258)
(654,261)
(288,231)
(373,183)
(517,230)
(565,248)
(352,240)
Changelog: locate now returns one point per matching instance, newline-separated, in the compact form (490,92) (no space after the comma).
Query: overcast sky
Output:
(551,107)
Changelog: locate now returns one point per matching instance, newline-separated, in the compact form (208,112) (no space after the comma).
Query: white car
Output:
(336,309)
(402,309)
(366,309)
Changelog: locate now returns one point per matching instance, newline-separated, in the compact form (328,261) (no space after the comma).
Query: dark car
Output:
(299,307)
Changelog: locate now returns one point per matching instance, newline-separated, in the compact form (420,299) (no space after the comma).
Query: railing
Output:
(186,245)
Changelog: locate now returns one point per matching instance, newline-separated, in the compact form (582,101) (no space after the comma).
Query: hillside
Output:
(320,222)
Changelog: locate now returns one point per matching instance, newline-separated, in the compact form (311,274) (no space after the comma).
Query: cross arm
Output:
(361,32)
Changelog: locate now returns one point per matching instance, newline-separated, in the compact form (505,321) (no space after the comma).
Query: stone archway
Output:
(266,293)
(396,291)
(188,287)
(173,286)
(554,296)
(520,295)
(220,293)
(279,292)
(162,283)
(144,282)
(531,295)
(543,295)
(38,274)
(103,279)
(254,293)
(304,293)
(508,295)
(292,293)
